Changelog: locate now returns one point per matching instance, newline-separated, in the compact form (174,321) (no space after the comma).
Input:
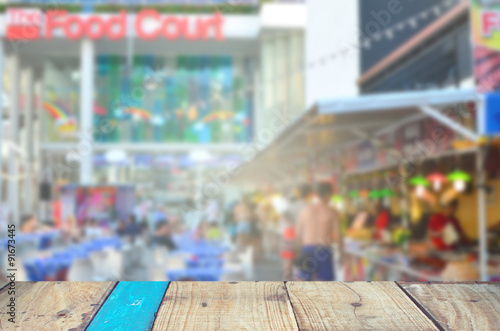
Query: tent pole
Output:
(483,248)
(481,178)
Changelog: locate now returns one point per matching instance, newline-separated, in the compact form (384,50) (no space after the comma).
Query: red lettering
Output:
(215,22)
(69,29)
(489,22)
(178,25)
(199,30)
(139,24)
(148,25)
(120,23)
(173,27)
(94,27)
(52,22)
(13,14)
(23,24)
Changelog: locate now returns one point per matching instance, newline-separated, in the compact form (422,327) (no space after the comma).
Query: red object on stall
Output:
(437,224)
(381,223)
(56,207)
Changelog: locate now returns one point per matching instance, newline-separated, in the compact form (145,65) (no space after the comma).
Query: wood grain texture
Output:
(459,306)
(131,306)
(54,305)
(355,306)
(225,306)
(3,284)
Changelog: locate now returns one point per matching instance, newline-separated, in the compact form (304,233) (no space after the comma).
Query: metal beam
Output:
(2,93)
(395,125)
(443,119)
(344,127)
(145,147)
(365,136)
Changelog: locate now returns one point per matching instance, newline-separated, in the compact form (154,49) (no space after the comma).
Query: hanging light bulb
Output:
(386,194)
(459,179)
(437,180)
(459,185)
(420,191)
(420,184)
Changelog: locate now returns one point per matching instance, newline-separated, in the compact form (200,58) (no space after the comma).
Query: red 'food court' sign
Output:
(32,24)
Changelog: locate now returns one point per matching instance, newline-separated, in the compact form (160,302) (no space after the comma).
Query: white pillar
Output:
(14,138)
(2,56)
(29,141)
(481,184)
(86,112)
(37,154)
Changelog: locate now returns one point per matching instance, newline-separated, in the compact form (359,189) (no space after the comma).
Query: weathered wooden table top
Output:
(250,306)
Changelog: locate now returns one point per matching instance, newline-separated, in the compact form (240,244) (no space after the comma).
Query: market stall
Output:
(400,163)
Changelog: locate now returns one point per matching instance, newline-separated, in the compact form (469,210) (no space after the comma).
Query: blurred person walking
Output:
(242,217)
(229,222)
(289,219)
(156,215)
(121,229)
(318,224)
(71,232)
(163,235)
(134,229)
(255,235)
(289,246)
(299,201)
(269,222)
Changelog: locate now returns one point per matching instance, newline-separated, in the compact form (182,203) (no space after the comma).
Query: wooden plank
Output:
(459,306)
(131,306)
(355,306)
(225,306)
(2,285)
(54,305)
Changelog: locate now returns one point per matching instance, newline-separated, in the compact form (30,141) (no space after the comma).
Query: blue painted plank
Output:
(131,306)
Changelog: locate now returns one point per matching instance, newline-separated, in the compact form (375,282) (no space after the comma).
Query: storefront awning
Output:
(336,123)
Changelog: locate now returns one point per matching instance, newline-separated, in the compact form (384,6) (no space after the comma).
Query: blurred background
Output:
(250,140)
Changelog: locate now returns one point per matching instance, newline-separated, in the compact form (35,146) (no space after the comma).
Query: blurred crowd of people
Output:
(298,225)
(157,230)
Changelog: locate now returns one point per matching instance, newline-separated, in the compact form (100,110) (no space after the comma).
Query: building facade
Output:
(127,95)
(415,46)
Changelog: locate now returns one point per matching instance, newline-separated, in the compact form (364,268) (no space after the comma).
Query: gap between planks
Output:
(413,300)
(422,309)
(104,299)
(295,316)
(130,294)
(291,305)
(329,305)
